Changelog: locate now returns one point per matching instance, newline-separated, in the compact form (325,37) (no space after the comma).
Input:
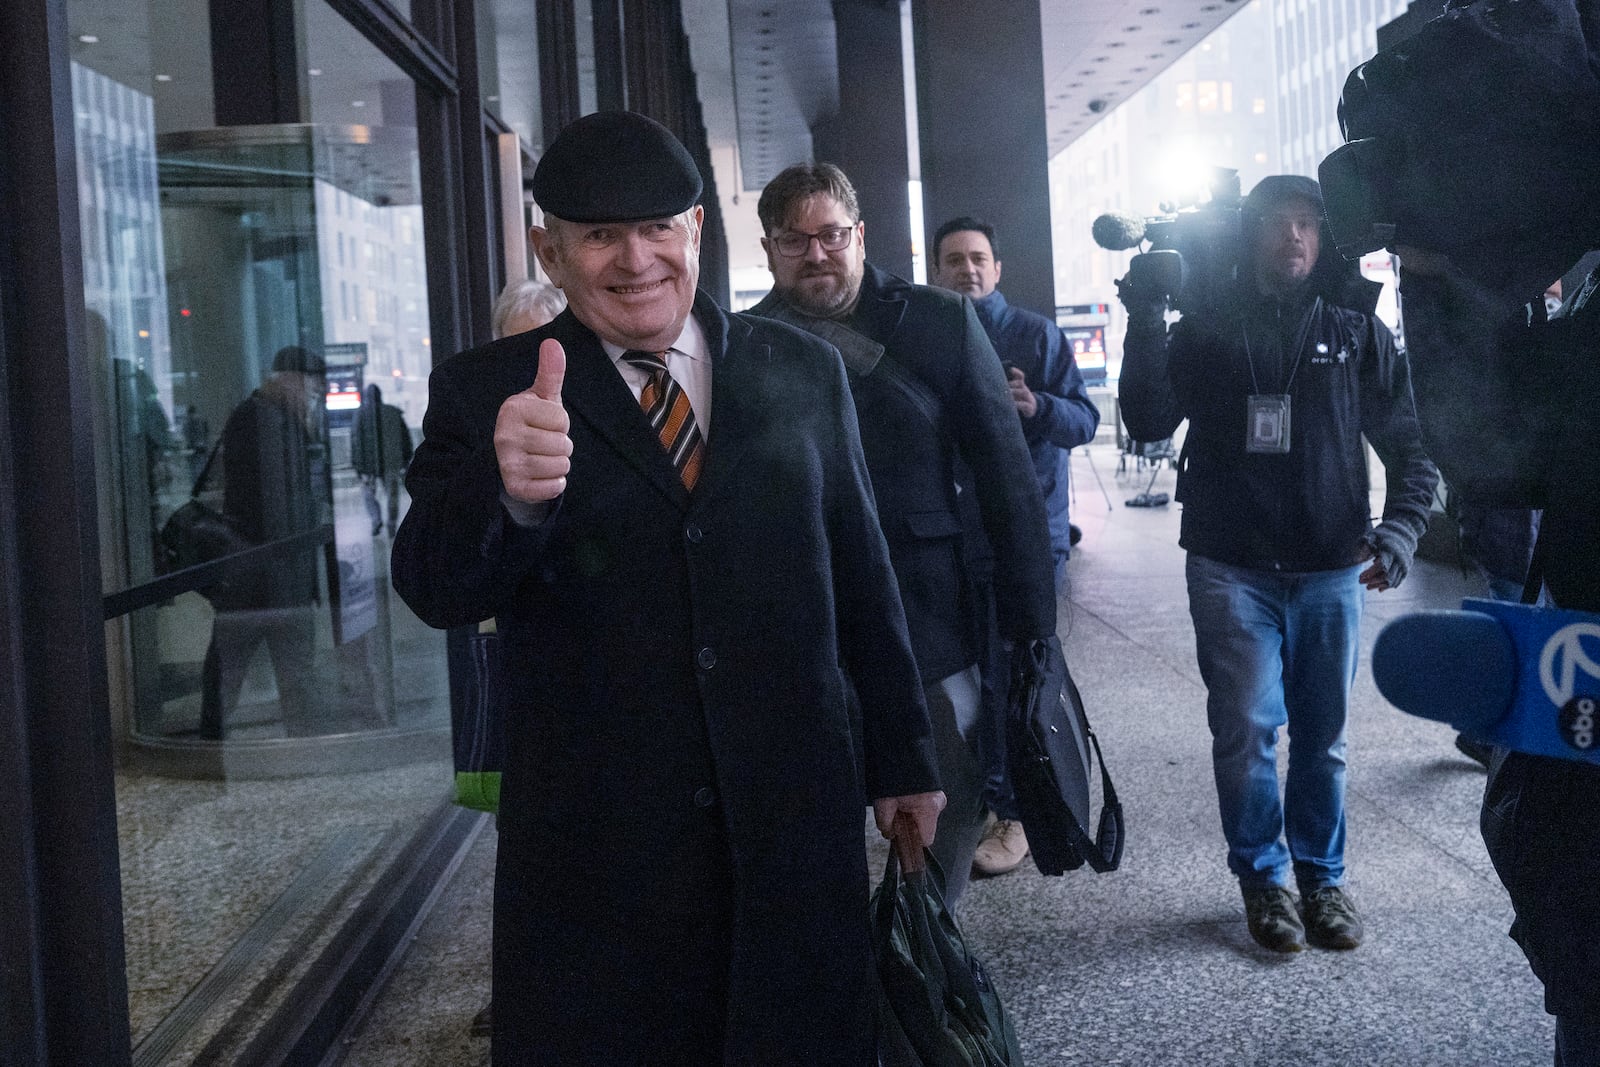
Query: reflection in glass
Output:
(583,24)
(244,285)
(508,67)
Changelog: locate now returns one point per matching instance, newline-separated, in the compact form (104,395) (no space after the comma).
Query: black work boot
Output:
(1273,921)
(1331,918)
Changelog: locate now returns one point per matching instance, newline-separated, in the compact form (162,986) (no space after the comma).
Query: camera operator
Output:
(1507,403)
(1280,377)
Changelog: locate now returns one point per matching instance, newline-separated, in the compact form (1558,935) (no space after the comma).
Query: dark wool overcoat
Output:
(681,808)
(956,410)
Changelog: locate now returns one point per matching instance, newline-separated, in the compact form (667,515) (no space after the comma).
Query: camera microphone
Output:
(1117,231)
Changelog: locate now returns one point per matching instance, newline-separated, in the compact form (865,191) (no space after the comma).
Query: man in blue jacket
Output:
(1057,416)
(1046,385)
(1280,381)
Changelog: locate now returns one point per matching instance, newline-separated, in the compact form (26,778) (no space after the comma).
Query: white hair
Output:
(528,300)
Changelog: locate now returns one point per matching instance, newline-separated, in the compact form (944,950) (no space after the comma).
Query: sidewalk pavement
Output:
(1151,965)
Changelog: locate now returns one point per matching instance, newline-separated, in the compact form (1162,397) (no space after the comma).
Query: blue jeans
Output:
(1278,649)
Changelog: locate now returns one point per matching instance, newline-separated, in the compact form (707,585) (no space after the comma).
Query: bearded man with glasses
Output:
(931,398)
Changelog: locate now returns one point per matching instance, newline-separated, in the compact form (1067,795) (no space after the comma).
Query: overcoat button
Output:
(704,797)
(707,659)
(693,534)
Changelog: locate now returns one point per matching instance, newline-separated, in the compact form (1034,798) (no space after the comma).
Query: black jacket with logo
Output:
(1307,509)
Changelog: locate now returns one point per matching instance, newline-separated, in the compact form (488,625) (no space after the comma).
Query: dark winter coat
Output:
(1066,417)
(269,491)
(933,336)
(679,750)
(1308,509)
(1508,409)
(380,446)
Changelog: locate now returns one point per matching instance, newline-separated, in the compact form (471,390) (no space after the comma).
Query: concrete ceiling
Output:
(785,80)
(1097,53)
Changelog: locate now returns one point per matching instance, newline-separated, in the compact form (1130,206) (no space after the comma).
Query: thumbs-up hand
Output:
(530,433)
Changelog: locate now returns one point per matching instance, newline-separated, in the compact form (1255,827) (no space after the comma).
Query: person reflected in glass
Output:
(380,450)
(196,439)
(268,445)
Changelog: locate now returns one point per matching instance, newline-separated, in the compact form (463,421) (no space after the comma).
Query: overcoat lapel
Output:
(880,312)
(596,393)
(735,363)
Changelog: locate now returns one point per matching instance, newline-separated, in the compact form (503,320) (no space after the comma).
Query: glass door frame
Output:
(65,988)
(64,991)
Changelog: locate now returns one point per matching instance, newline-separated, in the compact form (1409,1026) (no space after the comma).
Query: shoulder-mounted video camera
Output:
(1193,250)
(1478,137)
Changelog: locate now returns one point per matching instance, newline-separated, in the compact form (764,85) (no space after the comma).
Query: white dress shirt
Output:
(689,363)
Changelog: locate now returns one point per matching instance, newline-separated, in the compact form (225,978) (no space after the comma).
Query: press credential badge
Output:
(1267,423)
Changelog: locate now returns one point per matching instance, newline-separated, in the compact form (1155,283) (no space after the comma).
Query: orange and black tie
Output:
(666,405)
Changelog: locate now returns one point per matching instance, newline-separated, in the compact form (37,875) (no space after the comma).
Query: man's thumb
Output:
(552,370)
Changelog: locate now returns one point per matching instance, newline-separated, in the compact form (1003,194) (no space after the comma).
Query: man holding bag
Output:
(667,509)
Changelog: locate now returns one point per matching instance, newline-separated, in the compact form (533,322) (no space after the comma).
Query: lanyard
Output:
(1299,347)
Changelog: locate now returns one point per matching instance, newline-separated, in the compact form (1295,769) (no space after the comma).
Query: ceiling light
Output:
(163,77)
(315,72)
(358,103)
(88,38)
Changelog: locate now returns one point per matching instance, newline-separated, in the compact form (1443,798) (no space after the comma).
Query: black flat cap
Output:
(616,166)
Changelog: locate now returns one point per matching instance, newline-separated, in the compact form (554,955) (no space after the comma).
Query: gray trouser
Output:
(954,704)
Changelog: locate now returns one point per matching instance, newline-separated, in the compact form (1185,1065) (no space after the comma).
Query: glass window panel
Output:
(245,287)
(583,24)
(508,66)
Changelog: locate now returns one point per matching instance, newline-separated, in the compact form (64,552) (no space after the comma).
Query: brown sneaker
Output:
(1331,919)
(1002,849)
(1273,921)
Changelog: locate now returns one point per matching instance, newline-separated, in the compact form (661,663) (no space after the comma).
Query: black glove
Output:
(1392,546)
(1147,311)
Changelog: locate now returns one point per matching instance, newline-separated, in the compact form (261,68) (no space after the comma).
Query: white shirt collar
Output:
(691,343)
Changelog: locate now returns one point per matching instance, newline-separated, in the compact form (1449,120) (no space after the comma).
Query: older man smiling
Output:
(667,509)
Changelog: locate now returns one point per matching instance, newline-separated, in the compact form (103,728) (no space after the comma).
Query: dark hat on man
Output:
(292,359)
(616,166)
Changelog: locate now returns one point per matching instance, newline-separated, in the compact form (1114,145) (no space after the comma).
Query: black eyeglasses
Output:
(832,239)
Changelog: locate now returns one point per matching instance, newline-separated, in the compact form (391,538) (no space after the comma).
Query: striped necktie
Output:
(666,405)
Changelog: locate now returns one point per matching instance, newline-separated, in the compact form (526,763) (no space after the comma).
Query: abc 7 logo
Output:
(1579,719)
